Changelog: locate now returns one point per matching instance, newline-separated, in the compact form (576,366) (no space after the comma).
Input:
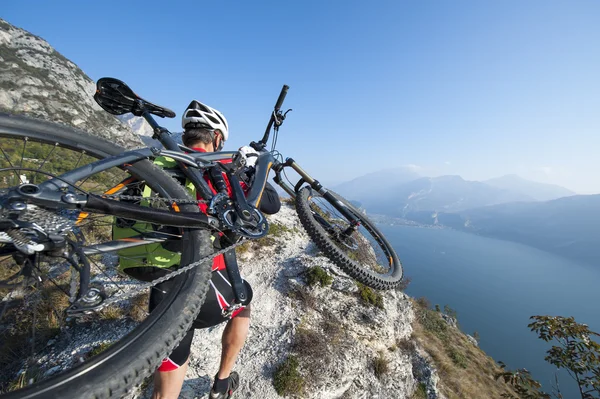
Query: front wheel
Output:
(361,251)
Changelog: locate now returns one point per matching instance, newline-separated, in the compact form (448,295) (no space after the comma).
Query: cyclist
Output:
(205,130)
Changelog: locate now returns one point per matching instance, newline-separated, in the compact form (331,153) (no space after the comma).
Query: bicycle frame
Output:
(52,192)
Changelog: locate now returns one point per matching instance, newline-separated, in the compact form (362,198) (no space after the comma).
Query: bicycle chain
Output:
(125,295)
(156,199)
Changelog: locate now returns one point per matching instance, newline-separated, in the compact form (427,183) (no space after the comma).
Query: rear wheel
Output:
(361,251)
(43,353)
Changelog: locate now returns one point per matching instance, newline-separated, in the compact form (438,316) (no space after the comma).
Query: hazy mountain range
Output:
(401,191)
(545,216)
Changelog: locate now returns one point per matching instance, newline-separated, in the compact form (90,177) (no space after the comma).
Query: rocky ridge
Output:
(336,336)
(38,81)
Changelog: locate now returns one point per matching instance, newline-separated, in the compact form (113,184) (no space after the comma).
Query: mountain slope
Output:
(382,182)
(38,81)
(345,347)
(444,193)
(535,190)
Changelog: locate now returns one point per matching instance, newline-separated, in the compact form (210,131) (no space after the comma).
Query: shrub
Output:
(433,323)
(420,392)
(316,275)
(404,283)
(370,296)
(423,302)
(407,345)
(278,229)
(304,296)
(287,379)
(332,327)
(457,357)
(310,344)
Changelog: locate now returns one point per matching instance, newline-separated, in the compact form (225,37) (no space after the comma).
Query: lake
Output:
(495,286)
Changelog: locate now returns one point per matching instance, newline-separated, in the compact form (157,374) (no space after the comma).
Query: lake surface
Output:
(495,286)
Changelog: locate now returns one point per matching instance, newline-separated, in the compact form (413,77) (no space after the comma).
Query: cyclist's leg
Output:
(234,336)
(168,379)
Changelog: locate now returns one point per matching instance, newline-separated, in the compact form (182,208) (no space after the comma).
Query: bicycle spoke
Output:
(47,157)
(23,152)
(11,165)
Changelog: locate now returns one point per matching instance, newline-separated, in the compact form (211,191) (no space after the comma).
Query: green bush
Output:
(370,296)
(278,229)
(432,322)
(287,379)
(457,357)
(316,275)
(420,392)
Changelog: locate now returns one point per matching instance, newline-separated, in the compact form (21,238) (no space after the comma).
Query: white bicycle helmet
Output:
(203,116)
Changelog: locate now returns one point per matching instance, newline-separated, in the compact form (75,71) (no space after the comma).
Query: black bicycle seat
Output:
(116,98)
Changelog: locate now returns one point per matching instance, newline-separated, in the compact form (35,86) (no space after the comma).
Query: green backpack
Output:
(151,254)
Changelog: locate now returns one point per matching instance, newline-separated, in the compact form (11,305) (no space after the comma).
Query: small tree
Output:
(522,382)
(437,307)
(476,336)
(576,352)
(449,311)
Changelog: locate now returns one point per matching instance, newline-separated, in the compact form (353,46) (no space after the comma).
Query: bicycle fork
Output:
(317,186)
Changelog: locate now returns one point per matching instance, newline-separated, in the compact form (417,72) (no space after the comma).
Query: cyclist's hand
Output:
(250,154)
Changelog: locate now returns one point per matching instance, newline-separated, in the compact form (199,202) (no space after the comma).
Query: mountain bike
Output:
(65,303)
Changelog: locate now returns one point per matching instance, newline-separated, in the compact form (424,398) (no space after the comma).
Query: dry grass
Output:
(255,245)
(381,365)
(43,306)
(304,297)
(27,376)
(138,309)
(420,392)
(465,370)
(111,313)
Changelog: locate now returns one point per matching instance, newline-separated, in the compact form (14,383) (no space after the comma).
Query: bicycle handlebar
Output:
(282,95)
(275,114)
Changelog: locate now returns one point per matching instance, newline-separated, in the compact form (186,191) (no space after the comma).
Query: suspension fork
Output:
(315,185)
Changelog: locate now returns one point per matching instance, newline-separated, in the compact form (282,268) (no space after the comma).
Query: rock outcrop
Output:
(345,347)
(38,81)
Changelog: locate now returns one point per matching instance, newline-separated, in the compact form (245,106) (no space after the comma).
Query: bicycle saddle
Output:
(116,98)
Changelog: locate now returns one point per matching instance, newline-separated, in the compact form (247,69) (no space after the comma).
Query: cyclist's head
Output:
(202,137)
(204,124)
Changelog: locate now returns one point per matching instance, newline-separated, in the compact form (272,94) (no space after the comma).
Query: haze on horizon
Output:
(476,89)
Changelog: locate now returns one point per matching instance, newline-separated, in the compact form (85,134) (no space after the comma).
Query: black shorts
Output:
(219,296)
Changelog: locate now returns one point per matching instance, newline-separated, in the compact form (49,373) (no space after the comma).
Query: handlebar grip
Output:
(282,95)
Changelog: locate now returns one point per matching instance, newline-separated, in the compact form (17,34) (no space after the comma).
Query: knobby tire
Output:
(128,361)
(325,243)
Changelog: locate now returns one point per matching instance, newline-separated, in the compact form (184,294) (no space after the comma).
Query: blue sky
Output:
(475,88)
